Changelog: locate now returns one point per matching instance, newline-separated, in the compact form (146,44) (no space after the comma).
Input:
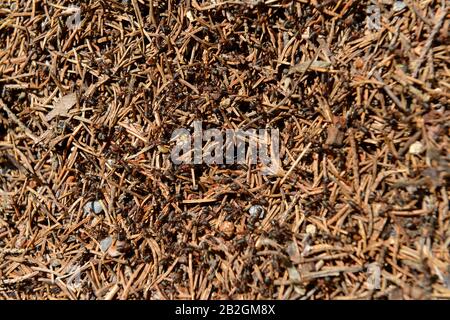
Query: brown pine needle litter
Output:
(93,207)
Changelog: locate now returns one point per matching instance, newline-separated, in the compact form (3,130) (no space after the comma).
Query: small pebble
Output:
(416,148)
(55,263)
(311,229)
(399,6)
(256,211)
(294,275)
(190,16)
(95,206)
(105,244)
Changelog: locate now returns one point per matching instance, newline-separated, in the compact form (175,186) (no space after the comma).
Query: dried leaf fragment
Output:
(62,107)
(317,65)
(335,136)
(293,252)
(227,228)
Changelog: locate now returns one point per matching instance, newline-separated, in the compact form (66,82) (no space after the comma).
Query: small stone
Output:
(416,148)
(311,229)
(94,206)
(55,263)
(225,103)
(190,16)
(294,275)
(105,244)
(256,211)
(399,6)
